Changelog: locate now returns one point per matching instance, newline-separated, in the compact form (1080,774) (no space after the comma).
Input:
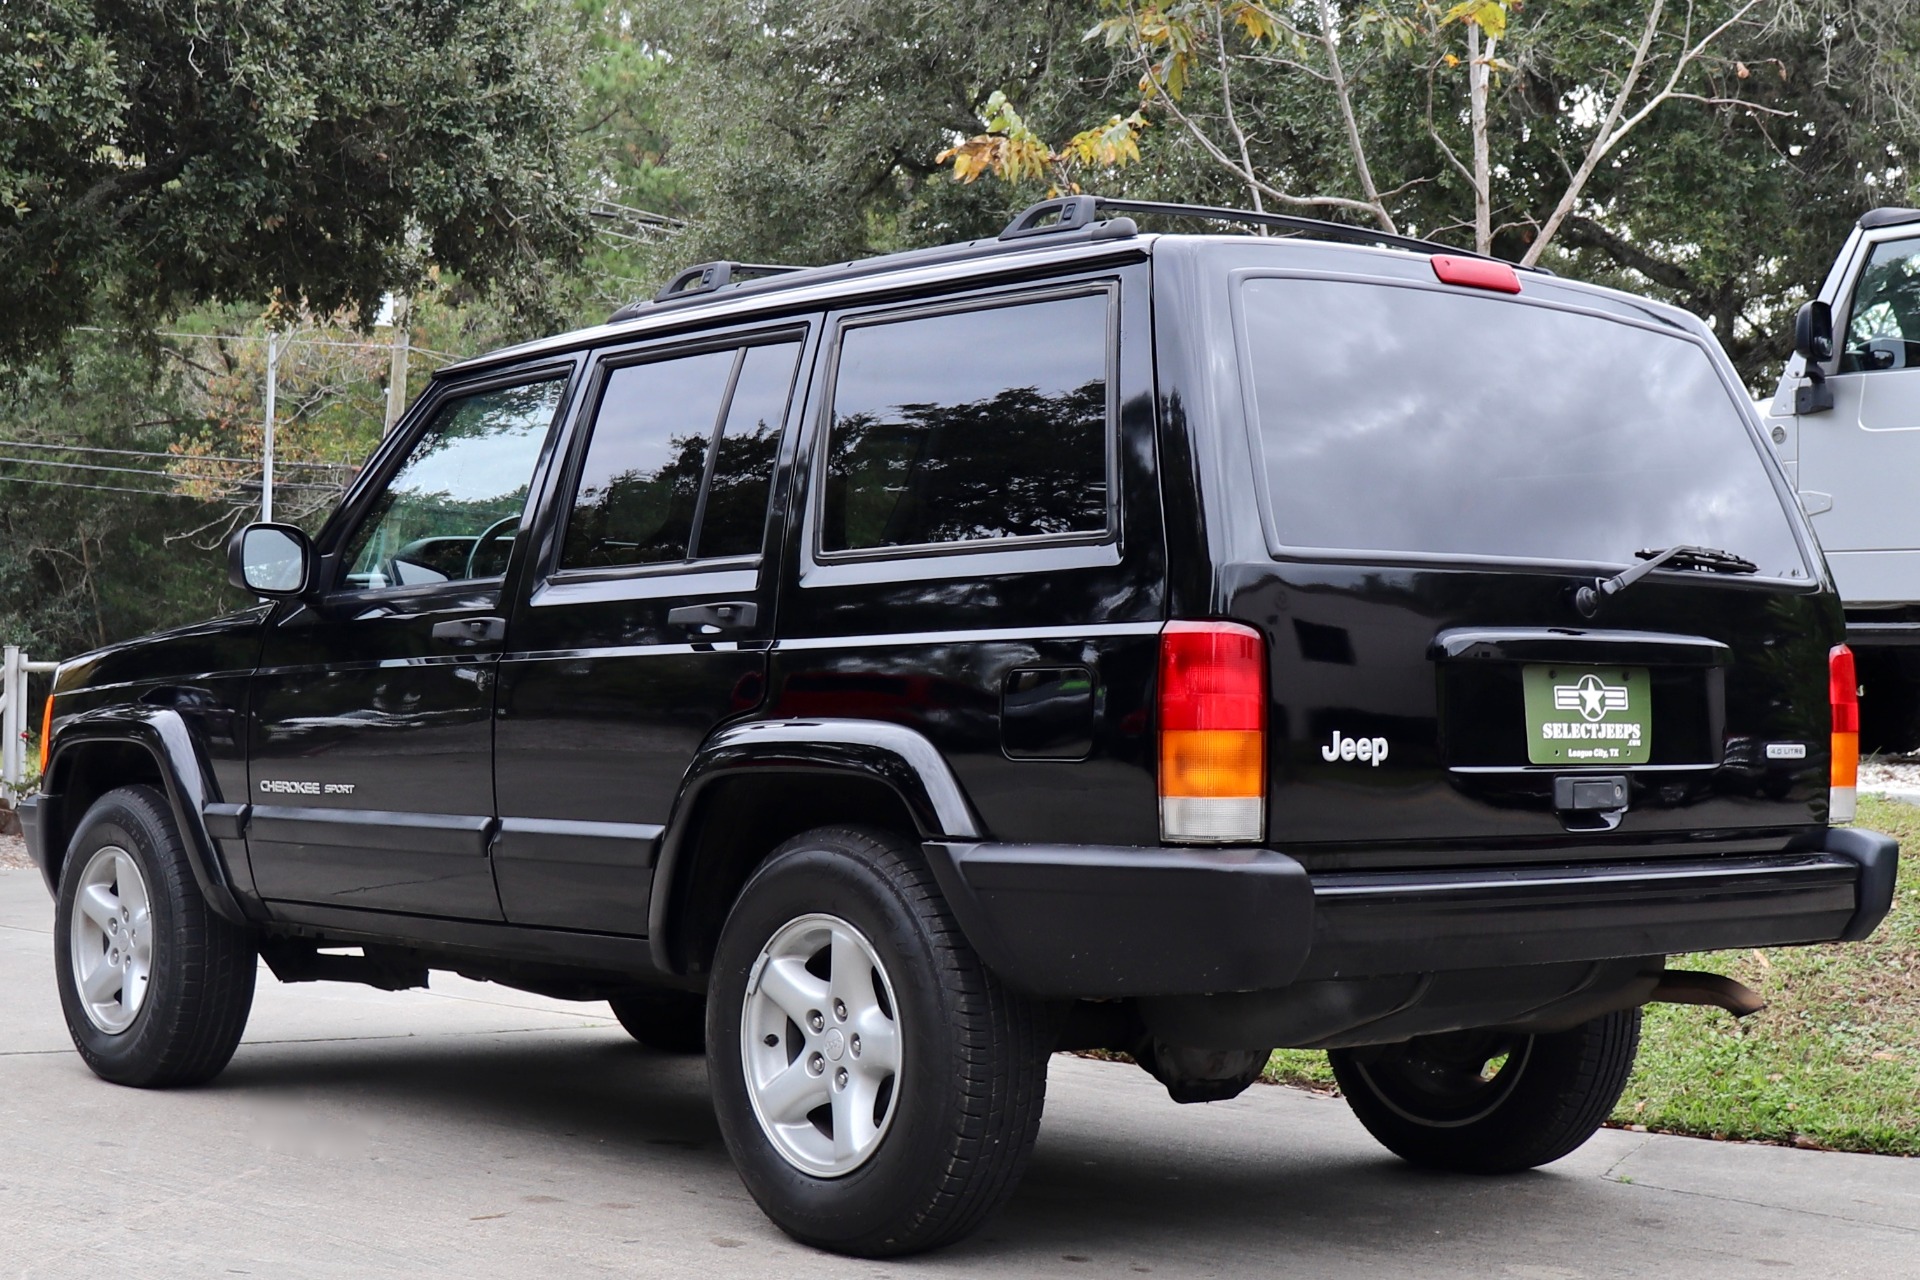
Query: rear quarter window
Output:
(1415,421)
(976,426)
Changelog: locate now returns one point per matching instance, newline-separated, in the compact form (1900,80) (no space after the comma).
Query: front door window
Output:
(1883,331)
(451,511)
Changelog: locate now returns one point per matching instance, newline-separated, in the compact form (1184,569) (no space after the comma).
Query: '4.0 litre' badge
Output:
(1588,715)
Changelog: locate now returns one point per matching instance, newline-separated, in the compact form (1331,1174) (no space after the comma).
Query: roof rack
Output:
(1067,216)
(1070,213)
(703,278)
(709,276)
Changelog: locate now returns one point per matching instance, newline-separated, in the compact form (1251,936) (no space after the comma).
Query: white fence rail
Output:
(14,670)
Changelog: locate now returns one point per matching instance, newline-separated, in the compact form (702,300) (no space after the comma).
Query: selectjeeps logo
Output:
(1588,715)
(1591,696)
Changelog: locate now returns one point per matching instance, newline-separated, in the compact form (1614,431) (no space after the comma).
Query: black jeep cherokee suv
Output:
(883,675)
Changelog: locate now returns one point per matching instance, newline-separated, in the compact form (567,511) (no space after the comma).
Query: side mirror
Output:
(1813,342)
(272,560)
(1813,332)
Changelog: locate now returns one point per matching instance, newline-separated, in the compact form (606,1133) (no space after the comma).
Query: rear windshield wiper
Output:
(1587,599)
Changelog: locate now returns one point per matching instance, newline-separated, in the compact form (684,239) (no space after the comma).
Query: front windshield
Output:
(1416,420)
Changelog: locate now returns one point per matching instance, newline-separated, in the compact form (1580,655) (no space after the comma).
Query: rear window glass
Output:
(1414,420)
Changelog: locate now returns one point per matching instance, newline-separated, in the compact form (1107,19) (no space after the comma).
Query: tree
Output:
(806,132)
(1708,151)
(322,152)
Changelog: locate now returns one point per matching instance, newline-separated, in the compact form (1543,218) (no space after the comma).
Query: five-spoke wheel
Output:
(155,986)
(110,935)
(878,1088)
(820,1044)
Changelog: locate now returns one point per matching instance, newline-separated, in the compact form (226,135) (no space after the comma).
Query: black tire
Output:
(199,988)
(668,1021)
(971,1076)
(1430,1101)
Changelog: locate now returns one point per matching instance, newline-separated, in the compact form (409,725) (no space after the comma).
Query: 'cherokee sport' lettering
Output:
(286,787)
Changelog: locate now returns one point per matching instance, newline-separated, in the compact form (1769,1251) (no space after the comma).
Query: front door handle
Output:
(722,615)
(467,631)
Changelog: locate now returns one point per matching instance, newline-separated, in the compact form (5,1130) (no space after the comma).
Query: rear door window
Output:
(680,462)
(1419,421)
(971,426)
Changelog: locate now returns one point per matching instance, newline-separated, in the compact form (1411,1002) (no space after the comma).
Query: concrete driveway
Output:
(471,1131)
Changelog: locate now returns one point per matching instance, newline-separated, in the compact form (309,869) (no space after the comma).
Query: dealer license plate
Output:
(1588,715)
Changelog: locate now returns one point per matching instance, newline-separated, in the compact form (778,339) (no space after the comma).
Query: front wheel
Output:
(878,1088)
(1490,1101)
(155,987)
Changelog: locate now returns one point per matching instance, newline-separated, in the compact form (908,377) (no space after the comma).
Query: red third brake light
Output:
(1213,733)
(1843,693)
(1476,273)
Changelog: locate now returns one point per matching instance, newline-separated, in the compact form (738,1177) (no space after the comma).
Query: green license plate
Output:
(1588,715)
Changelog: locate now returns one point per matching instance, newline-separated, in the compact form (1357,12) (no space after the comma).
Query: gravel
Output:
(13,854)
(1895,776)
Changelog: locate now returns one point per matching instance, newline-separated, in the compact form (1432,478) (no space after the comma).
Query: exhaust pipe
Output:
(1683,986)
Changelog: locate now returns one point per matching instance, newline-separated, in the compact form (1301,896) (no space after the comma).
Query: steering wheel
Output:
(484,539)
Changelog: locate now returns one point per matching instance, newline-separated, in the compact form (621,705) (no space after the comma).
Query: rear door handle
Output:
(465,631)
(722,615)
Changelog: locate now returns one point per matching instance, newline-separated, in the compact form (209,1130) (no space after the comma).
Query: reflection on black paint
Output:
(1400,419)
(975,425)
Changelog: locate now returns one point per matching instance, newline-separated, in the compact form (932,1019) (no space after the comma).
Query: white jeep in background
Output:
(1846,423)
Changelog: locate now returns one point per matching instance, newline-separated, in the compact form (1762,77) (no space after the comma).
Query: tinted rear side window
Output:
(1416,420)
(681,459)
(970,425)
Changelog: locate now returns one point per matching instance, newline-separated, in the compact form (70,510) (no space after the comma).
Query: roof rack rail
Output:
(1070,213)
(708,276)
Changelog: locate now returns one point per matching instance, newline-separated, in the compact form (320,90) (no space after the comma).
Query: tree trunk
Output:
(1477,77)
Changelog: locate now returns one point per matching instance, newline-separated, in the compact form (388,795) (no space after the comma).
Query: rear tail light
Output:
(1843,692)
(1213,733)
(46,739)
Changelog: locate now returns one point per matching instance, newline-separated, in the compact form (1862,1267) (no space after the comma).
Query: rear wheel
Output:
(156,988)
(670,1021)
(878,1088)
(1490,1101)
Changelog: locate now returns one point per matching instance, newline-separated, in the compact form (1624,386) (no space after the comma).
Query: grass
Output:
(1833,1062)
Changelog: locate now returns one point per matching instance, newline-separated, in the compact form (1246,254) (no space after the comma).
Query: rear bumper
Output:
(1076,921)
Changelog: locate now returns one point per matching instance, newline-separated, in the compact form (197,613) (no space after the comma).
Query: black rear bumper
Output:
(1099,922)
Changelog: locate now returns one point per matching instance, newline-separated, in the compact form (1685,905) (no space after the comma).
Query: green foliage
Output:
(322,152)
(808,132)
(1729,199)
(80,567)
